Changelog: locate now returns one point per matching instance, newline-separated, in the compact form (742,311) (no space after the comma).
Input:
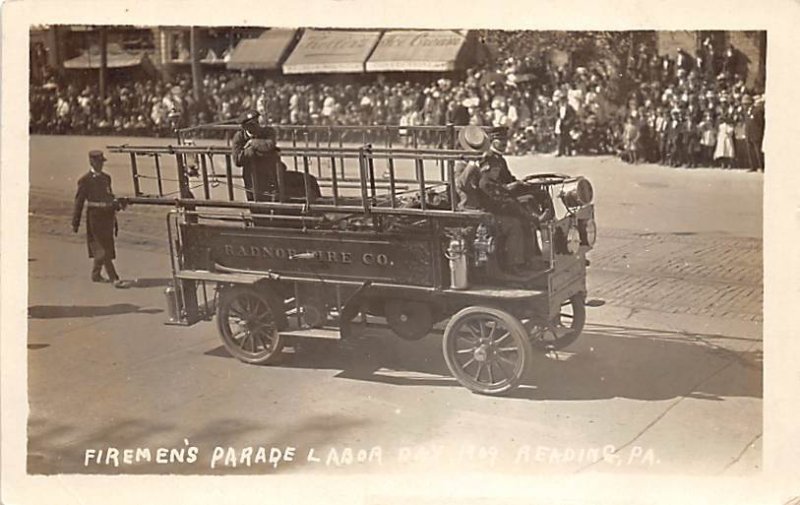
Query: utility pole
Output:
(103,61)
(197,78)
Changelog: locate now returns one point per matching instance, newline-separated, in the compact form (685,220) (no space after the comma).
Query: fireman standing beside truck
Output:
(94,190)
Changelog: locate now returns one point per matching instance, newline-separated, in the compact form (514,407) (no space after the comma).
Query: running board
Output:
(324,333)
(332,332)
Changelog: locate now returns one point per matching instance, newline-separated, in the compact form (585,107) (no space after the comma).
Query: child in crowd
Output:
(708,139)
(630,140)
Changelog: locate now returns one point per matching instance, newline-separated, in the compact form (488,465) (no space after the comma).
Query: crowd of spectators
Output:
(693,110)
(680,110)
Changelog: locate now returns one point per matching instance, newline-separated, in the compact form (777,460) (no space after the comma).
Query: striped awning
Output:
(417,50)
(264,53)
(331,51)
(115,58)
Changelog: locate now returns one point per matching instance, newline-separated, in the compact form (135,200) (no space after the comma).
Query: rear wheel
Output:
(486,350)
(564,329)
(409,320)
(248,320)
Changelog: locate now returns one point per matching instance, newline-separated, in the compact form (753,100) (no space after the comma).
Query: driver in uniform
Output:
(512,218)
(533,200)
(255,150)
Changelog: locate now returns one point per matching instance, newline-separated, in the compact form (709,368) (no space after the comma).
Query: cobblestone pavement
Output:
(700,274)
(715,276)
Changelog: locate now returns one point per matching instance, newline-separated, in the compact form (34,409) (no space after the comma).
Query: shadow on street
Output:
(66,311)
(606,362)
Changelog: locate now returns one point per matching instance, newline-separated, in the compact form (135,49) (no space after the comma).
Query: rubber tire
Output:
(226,298)
(393,310)
(578,302)
(517,331)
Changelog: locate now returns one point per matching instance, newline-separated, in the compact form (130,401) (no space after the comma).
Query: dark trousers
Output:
(564,142)
(707,155)
(97,266)
(755,155)
(512,234)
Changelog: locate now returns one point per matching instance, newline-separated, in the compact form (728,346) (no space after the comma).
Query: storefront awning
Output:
(115,58)
(263,53)
(331,51)
(429,50)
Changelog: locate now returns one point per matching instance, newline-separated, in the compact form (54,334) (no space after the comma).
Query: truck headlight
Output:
(577,192)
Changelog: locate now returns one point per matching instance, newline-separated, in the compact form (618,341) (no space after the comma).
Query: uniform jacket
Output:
(258,168)
(244,157)
(493,195)
(94,191)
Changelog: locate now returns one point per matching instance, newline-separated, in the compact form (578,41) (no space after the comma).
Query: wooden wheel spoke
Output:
(491,375)
(505,372)
(491,333)
(507,349)
(263,343)
(266,324)
(248,307)
(506,360)
(470,339)
(472,330)
(243,342)
(478,373)
(505,336)
(236,310)
(468,363)
(465,351)
(258,316)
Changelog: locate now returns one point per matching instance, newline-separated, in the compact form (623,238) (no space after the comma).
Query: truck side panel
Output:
(332,255)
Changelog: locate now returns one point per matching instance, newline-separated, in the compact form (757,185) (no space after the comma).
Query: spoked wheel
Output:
(486,349)
(248,322)
(562,330)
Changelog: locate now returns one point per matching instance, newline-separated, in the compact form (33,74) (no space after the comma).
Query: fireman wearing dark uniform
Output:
(534,203)
(255,150)
(496,197)
(94,190)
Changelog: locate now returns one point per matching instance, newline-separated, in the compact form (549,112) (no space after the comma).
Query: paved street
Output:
(667,377)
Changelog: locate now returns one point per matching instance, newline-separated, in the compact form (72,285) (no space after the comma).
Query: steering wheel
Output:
(545,178)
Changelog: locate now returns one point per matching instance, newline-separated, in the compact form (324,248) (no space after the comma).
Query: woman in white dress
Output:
(724,152)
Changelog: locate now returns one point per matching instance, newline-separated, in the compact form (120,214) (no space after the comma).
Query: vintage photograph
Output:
(263,250)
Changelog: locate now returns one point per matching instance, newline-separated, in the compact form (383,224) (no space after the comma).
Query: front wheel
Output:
(486,350)
(248,320)
(564,329)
